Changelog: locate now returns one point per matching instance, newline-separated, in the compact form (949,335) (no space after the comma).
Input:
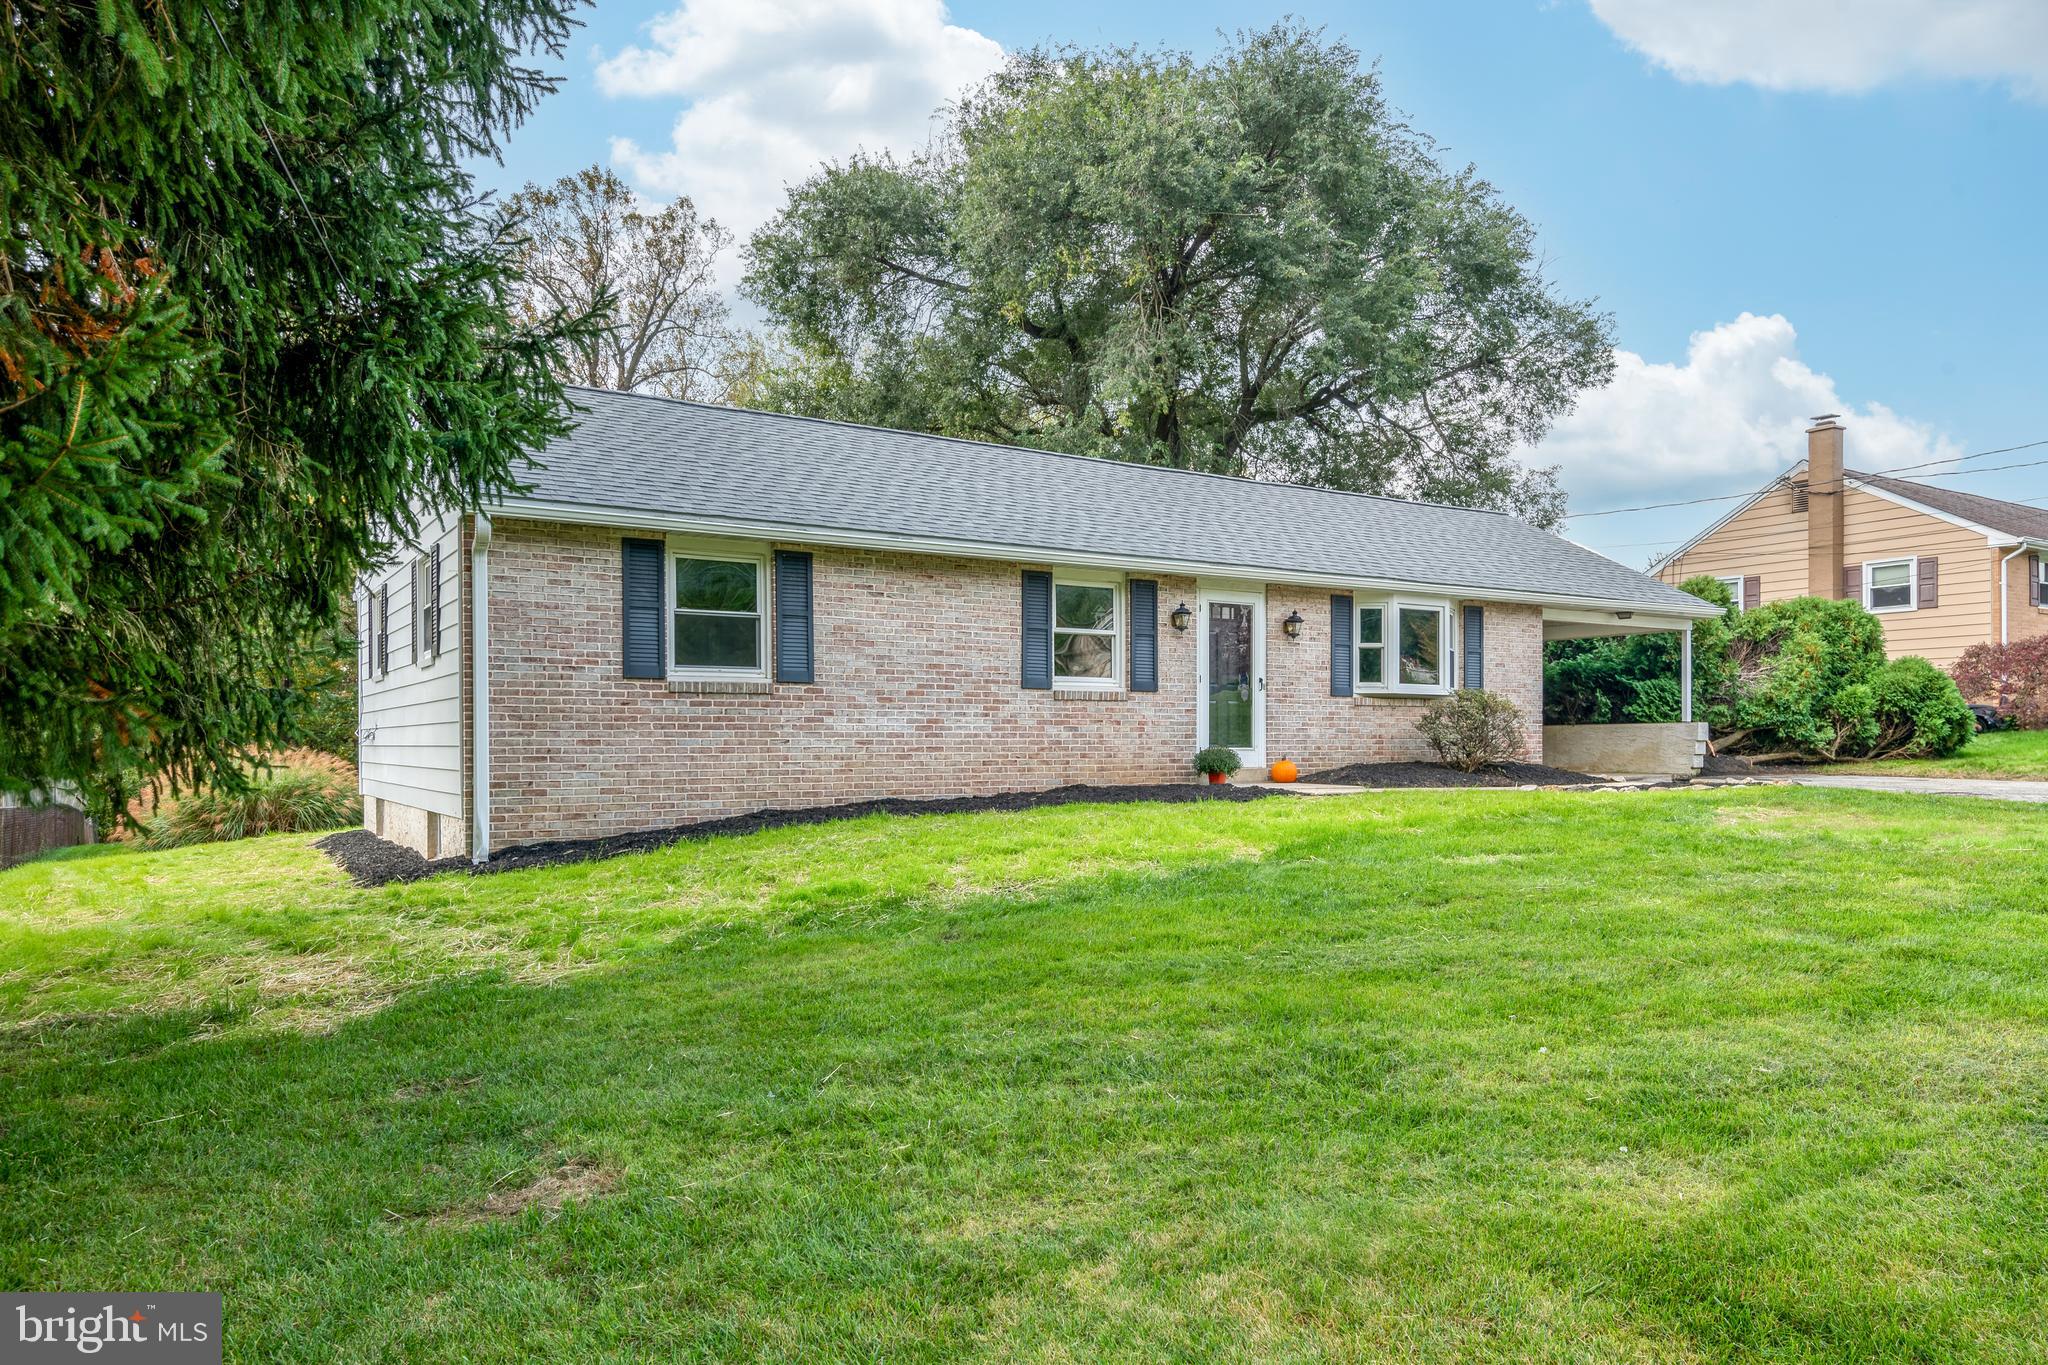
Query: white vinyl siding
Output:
(409,722)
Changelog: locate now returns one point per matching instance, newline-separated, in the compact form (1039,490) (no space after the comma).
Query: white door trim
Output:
(1253,596)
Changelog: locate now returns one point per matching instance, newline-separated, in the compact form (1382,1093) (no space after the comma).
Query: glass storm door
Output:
(1232,675)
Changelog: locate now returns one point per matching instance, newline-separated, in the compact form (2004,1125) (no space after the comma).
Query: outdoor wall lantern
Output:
(1181,617)
(1292,625)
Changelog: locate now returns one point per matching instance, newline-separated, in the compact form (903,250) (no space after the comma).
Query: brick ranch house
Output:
(697,611)
(1943,569)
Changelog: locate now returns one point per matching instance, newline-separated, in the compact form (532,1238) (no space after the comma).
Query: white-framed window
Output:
(718,610)
(1087,631)
(1891,584)
(1733,582)
(1405,647)
(2041,571)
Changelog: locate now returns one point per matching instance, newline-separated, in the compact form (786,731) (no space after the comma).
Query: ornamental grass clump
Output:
(287,803)
(1470,730)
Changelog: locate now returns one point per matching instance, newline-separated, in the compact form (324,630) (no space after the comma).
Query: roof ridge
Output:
(1040,450)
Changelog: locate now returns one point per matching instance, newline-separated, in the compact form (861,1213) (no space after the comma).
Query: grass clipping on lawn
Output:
(1492,1076)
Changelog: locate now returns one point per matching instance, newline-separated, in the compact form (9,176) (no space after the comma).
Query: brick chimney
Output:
(1824,506)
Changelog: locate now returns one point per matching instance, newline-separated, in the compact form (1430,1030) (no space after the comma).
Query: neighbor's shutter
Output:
(1930,583)
(383,630)
(1852,583)
(1752,592)
(794,661)
(1342,666)
(1144,635)
(1037,671)
(2034,579)
(640,601)
(1475,648)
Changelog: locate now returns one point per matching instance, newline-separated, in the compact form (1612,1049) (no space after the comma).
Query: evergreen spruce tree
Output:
(251,307)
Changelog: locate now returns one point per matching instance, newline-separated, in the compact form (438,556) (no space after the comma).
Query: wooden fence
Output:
(27,831)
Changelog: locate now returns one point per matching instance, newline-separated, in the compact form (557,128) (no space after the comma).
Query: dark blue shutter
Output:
(793,655)
(1475,648)
(1342,666)
(1037,629)
(640,599)
(1144,635)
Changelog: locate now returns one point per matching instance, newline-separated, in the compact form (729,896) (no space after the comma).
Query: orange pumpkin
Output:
(1285,771)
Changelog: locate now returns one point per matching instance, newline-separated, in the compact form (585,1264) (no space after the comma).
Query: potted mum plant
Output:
(1217,762)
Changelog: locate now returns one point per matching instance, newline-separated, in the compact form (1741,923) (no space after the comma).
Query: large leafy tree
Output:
(251,308)
(1246,265)
(593,246)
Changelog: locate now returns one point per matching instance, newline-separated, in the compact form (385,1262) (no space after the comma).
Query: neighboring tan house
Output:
(1942,569)
(696,611)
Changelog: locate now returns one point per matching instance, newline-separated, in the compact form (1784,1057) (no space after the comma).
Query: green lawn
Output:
(1753,1074)
(2002,753)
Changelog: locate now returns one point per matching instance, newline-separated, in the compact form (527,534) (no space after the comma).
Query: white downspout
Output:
(2004,592)
(480,689)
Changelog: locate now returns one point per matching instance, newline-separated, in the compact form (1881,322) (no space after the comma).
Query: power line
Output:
(319,228)
(1896,469)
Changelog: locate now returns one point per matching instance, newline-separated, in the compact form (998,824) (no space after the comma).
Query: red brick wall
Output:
(917,696)
(1305,723)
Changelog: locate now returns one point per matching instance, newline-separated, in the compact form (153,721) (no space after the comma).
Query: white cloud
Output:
(773,87)
(1731,416)
(1838,46)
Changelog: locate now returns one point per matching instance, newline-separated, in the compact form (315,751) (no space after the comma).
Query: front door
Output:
(1231,674)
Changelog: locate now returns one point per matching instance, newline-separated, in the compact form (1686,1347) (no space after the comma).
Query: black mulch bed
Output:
(1436,775)
(372,861)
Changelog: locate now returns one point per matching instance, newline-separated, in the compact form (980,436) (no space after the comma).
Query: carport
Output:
(1627,748)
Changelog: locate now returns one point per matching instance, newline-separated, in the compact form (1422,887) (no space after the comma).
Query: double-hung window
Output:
(1889,584)
(1405,647)
(1087,620)
(1733,582)
(720,617)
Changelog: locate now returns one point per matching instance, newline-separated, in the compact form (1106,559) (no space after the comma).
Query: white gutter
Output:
(580,514)
(480,689)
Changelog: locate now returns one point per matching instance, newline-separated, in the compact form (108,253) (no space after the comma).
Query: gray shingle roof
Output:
(632,453)
(2011,518)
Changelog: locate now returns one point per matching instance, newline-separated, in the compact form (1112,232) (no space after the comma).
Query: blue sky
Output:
(1790,206)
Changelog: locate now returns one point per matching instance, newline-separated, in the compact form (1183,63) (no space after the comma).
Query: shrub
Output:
(1919,711)
(286,803)
(1811,681)
(1470,730)
(1218,759)
(1795,665)
(2013,678)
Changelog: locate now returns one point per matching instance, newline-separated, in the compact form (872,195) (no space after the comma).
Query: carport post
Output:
(1685,675)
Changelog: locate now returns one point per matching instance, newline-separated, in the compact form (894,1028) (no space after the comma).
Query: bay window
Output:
(1405,647)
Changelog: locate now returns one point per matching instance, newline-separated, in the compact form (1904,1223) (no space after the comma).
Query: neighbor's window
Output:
(1084,634)
(720,628)
(1417,636)
(1733,582)
(1372,646)
(1888,585)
